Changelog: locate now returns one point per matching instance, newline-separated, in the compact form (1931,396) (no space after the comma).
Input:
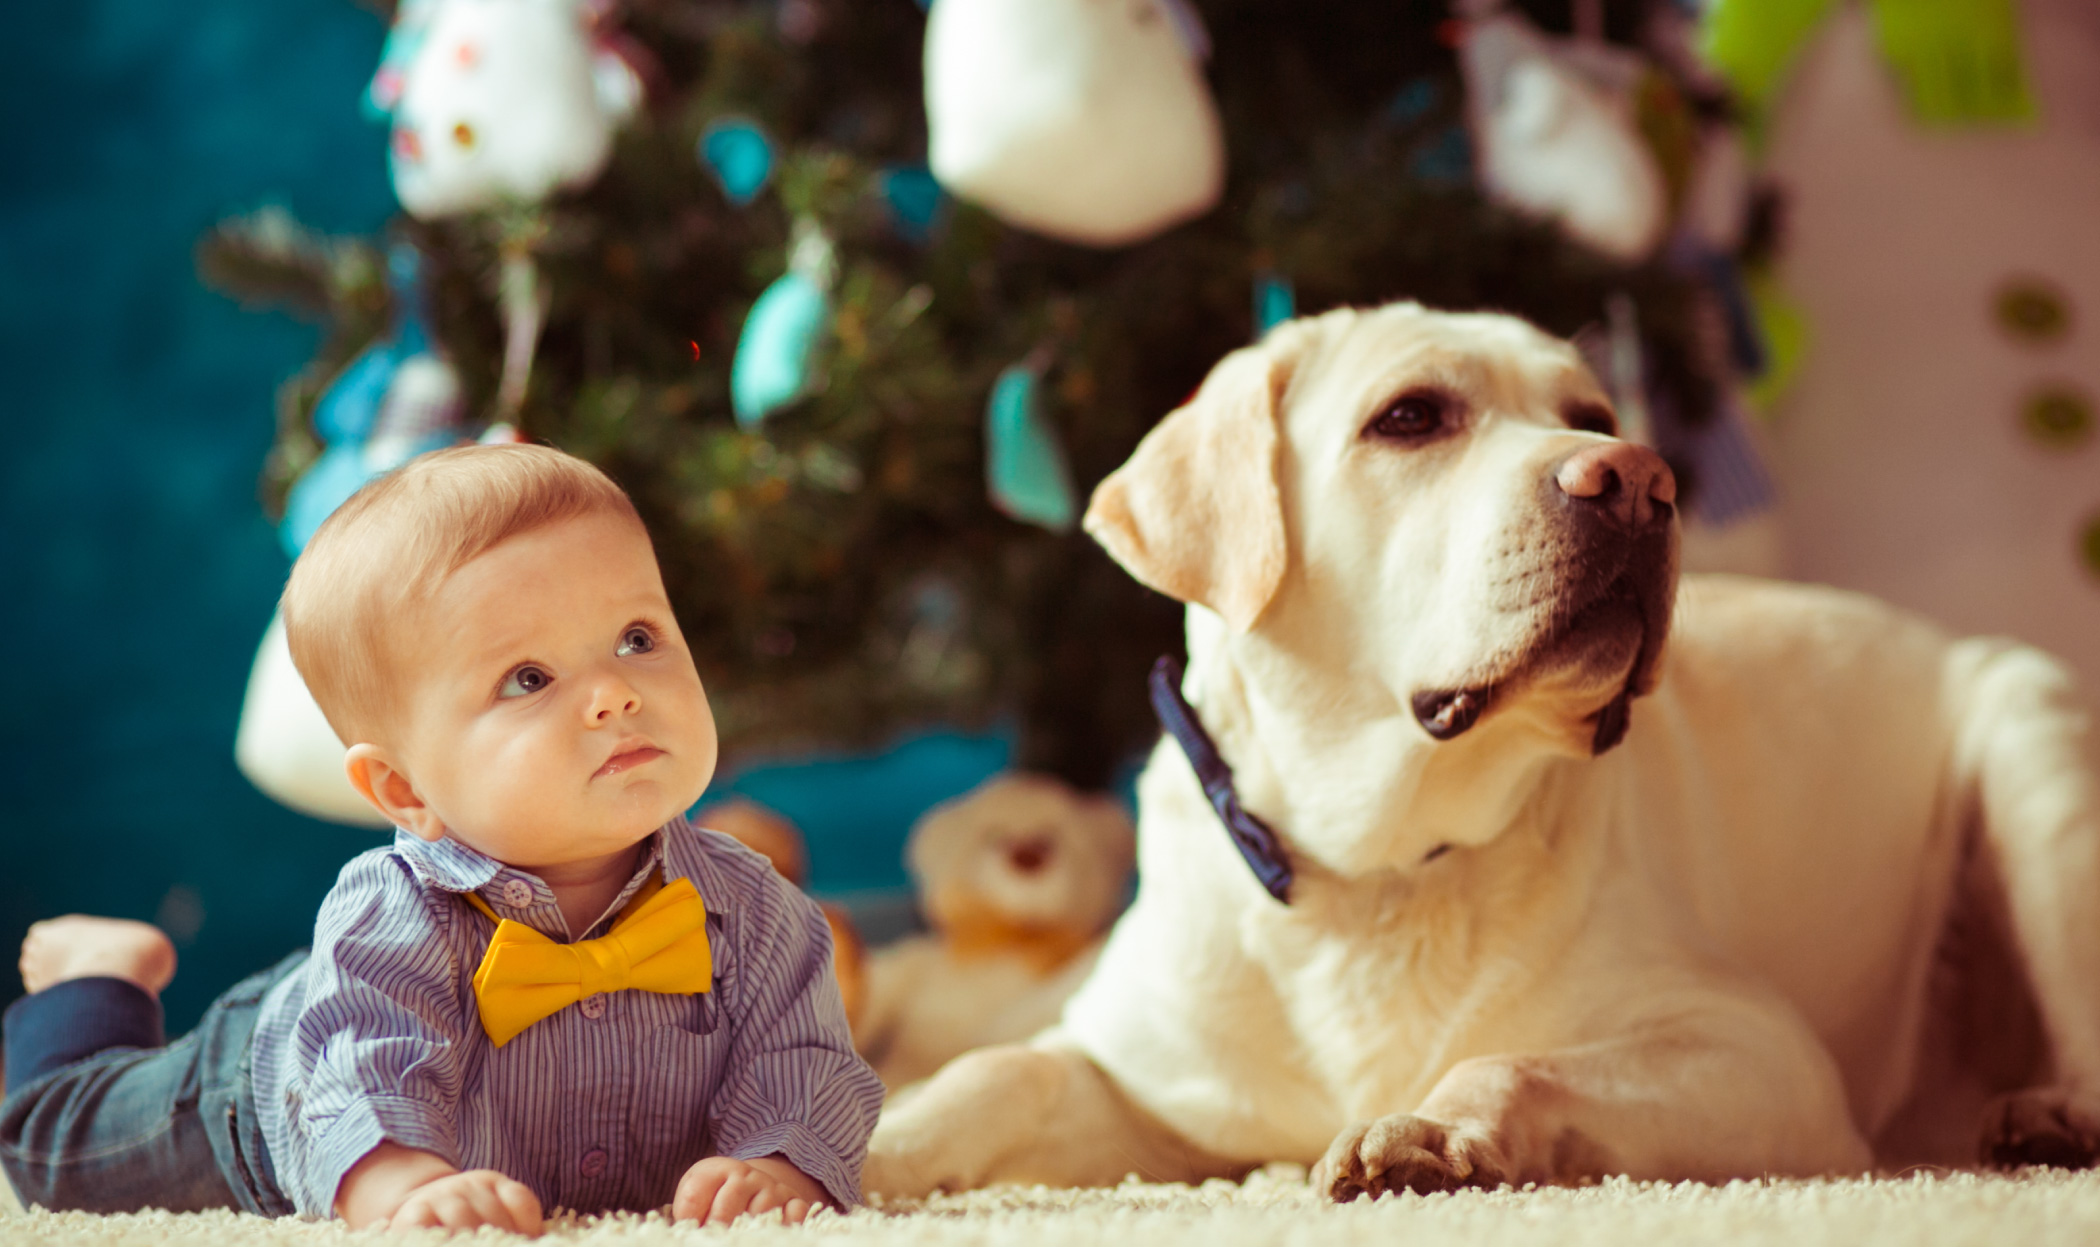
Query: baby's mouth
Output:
(628,758)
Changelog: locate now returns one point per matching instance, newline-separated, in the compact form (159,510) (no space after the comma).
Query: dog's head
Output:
(1435,503)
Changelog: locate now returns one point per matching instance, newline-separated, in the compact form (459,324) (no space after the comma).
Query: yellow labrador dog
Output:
(1826,896)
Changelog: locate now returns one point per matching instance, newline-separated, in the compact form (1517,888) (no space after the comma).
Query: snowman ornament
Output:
(1553,123)
(503,102)
(497,104)
(1084,120)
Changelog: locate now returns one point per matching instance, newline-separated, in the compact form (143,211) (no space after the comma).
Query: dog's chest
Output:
(1386,989)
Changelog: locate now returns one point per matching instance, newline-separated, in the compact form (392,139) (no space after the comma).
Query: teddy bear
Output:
(1018,881)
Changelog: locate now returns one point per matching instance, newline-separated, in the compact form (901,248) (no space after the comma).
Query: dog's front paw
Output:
(2042,1126)
(905,1162)
(1404,1153)
(894,1176)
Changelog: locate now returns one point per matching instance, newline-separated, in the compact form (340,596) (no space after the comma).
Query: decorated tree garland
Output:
(860,408)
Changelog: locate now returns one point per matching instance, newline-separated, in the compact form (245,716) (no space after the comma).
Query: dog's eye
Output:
(1410,418)
(1592,418)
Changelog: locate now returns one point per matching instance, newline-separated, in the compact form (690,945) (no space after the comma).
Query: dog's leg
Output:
(2026,744)
(1724,1089)
(1025,1113)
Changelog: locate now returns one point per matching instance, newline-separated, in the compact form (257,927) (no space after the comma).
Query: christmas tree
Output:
(841,564)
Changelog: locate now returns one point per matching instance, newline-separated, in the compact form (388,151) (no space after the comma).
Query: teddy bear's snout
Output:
(1030,854)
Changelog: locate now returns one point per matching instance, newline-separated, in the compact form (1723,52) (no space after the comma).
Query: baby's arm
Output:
(400,1188)
(796,1103)
(374,1062)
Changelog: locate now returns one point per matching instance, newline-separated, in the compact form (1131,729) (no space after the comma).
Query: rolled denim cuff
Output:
(74,1020)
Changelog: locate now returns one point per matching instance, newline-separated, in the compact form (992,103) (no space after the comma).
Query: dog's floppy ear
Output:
(1195,512)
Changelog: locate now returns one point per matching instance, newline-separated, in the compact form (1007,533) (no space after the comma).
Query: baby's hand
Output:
(466,1201)
(718,1190)
(400,1188)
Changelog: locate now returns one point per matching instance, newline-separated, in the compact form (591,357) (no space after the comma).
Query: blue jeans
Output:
(100,1117)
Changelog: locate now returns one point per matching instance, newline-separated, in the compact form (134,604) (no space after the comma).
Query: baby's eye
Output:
(524,682)
(636,640)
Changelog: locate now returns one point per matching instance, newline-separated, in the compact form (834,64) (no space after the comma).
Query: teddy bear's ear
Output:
(1195,512)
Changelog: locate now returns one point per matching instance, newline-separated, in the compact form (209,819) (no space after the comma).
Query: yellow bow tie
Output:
(657,944)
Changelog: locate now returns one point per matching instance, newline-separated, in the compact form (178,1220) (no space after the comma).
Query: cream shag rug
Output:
(1275,1207)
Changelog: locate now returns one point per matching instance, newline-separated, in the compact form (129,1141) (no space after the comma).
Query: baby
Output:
(549,991)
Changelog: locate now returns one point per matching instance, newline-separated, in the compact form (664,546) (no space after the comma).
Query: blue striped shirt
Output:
(601,1106)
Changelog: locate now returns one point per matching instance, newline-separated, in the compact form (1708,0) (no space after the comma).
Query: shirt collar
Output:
(458,867)
(446,863)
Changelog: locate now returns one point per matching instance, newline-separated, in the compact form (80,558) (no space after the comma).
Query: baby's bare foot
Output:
(79,946)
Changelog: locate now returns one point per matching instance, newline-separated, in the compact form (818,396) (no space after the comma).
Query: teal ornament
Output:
(347,413)
(771,368)
(740,156)
(1412,102)
(1024,467)
(917,203)
(1447,158)
(1275,301)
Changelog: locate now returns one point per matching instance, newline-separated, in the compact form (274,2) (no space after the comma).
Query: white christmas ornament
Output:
(285,746)
(503,101)
(1555,133)
(1086,120)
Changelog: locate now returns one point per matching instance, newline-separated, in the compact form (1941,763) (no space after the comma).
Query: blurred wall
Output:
(1905,463)
(136,570)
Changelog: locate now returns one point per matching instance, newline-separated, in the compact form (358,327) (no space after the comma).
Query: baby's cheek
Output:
(687,708)
(529,777)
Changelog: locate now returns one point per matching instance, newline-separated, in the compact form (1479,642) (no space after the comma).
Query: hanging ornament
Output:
(522,299)
(1743,353)
(1718,195)
(916,202)
(1754,42)
(771,368)
(501,102)
(1554,129)
(1728,469)
(1024,467)
(740,157)
(1959,61)
(621,65)
(1078,119)
(1275,301)
(397,399)
(1627,369)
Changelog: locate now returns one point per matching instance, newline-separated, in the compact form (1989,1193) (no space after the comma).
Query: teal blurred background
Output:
(136,570)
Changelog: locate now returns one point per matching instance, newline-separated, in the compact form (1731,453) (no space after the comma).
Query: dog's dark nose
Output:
(1630,483)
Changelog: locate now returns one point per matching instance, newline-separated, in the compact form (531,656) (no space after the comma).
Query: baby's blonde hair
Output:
(395,540)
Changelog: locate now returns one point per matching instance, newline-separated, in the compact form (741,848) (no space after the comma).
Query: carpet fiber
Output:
(1275,1207)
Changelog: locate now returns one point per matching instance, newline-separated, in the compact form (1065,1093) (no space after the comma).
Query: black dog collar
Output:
(1255,839)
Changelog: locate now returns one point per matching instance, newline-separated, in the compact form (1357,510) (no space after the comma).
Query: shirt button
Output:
(517,894)
(592,1163)
(594,1006)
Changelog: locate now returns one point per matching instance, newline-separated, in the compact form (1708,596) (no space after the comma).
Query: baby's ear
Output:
(390,791)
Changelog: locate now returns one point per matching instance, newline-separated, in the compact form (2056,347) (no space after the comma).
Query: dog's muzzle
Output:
(1616,504)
